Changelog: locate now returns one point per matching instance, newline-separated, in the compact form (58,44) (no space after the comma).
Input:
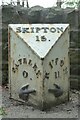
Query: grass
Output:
(2,111)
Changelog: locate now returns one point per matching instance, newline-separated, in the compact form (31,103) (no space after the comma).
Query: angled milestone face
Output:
(40,37)
(34,60)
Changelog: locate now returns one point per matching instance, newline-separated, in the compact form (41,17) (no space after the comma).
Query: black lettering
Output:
(61,63)
(45,29)
(30,62)
(56,61)
(13,70)
(47,75)
(20,61)
(59,29)
(16,66)
(43,38)
(32,29)
(18,29)
(37,29)
(24,61)
(37,38)
(53,30)
(35,67)
(51,65)
(25,74)
(25,30)
(55,75)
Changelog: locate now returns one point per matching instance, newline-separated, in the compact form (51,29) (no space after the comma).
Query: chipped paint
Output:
(39,59)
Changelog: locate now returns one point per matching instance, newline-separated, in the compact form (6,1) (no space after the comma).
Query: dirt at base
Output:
(15,109)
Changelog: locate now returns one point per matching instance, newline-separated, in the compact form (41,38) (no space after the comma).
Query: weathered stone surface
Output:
(52,15)
(34,14)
